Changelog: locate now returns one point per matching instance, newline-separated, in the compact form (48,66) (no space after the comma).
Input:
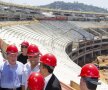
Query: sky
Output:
(99,3)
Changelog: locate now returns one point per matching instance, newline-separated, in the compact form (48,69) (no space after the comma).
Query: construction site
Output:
(75,38)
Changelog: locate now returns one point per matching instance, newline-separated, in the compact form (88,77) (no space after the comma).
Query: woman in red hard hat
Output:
(22,57)
(35,81)
(89,77)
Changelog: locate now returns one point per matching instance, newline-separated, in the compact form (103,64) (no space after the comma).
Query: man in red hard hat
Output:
(89,77)
(36,81)
(22,57)
(11,70)
(32,65)
(47,65)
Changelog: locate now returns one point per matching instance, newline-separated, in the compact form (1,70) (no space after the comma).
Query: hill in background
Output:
(74,6)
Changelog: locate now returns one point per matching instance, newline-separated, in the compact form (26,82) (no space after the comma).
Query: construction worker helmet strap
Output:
(49,59)
(92,80)
(25,43)
(36,81)
(32,50)
(89,70)
(11,49)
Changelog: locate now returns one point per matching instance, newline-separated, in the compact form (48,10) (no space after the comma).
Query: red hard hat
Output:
(32,50)
(25,43)
(36,81)
(12,49)
(89,70)
(48,59)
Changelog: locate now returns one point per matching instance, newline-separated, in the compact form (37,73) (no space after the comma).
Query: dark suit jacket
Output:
(53,84)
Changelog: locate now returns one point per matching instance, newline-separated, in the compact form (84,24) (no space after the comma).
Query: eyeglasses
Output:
(33,56)
(23,46)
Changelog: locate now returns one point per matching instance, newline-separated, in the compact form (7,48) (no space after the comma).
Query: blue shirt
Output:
(27,72)
(11,75)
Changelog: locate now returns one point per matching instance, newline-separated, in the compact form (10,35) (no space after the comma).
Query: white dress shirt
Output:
(47,80)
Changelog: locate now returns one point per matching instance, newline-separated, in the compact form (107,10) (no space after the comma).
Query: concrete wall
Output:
(87,52)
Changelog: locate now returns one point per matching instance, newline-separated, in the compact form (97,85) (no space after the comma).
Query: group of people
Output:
(30,70)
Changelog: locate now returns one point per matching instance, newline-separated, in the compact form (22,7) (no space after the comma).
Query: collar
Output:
(47,78)
(29,65)
(8,64)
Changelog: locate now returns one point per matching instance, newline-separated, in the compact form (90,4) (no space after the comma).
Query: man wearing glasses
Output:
(22,57)
(32,65)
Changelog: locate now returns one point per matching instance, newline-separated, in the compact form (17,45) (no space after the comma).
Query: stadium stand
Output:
(74,43)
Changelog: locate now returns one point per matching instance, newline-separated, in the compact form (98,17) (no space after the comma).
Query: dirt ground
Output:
(102,61)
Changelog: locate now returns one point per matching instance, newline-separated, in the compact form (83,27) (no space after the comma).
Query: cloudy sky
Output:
(99,3)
